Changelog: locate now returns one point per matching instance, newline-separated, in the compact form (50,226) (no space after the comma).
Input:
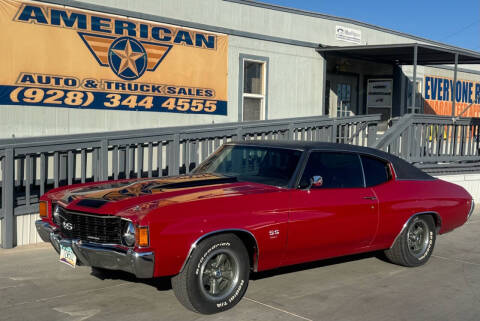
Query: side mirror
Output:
(316,181)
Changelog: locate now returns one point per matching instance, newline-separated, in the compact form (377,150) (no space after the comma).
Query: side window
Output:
(376,171)
(254,90)
(338,170)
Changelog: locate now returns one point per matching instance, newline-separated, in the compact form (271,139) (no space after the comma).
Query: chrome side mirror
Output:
(316,181)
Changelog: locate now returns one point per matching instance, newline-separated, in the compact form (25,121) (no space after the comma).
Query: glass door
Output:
(344,95)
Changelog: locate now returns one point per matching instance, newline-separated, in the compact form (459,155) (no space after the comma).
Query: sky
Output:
(454,22)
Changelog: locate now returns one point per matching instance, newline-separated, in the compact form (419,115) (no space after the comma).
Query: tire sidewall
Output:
(410,258)
(197,298)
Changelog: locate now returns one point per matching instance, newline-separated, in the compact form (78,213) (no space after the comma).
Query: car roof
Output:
(403,169)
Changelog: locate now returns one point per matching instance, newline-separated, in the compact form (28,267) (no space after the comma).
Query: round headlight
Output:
(56,214)
(129,234)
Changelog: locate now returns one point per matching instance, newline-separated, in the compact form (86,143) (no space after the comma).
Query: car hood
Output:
(113,197)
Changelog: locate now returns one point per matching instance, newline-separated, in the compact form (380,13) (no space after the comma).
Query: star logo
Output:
(127,58)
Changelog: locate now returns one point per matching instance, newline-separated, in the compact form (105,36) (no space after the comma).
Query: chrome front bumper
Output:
(103,256)
(472,208)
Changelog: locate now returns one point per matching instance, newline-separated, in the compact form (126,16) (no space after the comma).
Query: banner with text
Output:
(438,96)
(63,57)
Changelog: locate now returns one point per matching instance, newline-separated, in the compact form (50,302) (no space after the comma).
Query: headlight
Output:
(56,214)
(128,236)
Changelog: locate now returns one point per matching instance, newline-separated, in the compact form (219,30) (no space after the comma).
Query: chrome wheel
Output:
(219,274)
(418,237)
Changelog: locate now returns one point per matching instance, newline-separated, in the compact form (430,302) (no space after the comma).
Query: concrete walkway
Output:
(35,286)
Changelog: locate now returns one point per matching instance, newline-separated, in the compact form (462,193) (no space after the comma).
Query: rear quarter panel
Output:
(401,199)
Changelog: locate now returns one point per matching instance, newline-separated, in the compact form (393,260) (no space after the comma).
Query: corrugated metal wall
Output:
(26,231)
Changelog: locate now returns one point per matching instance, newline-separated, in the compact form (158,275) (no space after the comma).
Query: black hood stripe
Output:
(205,182)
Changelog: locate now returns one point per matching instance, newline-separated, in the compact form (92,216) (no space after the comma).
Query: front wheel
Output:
(415,245)
(215,277)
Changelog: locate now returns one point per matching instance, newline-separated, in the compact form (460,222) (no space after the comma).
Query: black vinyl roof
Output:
(402,54)
(403,169)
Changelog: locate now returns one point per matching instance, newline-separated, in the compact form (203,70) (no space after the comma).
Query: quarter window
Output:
(376,171)
(253,90)
(338,170)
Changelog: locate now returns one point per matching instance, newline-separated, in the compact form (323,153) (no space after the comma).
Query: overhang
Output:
(403,54)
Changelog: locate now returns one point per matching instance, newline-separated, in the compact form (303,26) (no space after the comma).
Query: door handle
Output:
(370,198)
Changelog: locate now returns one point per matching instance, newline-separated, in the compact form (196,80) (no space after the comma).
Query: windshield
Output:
(271,166)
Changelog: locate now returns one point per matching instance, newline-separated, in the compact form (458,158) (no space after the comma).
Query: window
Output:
(418,98)
(271,166)
(338,170)
(253,95)
(376,171)
(343,100)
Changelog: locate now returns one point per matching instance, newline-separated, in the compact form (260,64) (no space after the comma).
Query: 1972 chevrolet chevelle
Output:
(253,206)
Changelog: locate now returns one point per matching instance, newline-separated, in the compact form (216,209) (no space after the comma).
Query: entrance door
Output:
(343,95)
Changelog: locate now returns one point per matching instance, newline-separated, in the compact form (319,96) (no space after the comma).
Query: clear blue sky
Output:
(454,22)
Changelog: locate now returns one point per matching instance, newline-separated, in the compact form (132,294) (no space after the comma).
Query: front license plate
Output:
(67,256)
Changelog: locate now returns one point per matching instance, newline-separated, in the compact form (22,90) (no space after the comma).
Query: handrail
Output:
(422,138)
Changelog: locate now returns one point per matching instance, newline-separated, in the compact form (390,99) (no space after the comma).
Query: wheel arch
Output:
(245,236)
(436,217)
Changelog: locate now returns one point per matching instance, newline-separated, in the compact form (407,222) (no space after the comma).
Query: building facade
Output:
(167,63)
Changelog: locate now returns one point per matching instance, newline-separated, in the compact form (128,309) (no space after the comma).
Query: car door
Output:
(379,177)
(337,218)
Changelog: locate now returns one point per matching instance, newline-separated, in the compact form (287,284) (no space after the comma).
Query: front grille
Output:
(103,229)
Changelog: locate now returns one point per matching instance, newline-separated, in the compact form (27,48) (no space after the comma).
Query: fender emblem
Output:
(274,234)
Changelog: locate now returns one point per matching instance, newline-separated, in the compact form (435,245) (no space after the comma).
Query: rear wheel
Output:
(215,277)
(415,245)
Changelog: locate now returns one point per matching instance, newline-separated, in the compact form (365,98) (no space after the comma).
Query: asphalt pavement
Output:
(35,286)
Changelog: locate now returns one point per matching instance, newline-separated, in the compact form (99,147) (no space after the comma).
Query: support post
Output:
(414,81)
(239,134)
(371,134)
(333,135)
(103,155)
(454,87)
(8,224)
(291,131)
(324,84)
(174,166)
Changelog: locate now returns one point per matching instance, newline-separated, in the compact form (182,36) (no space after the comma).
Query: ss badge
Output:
(67,226)
(274,234)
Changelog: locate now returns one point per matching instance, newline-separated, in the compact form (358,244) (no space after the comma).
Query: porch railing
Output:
(436,143)
(32,166)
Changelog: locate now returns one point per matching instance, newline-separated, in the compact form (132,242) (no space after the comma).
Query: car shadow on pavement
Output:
(317,264)
(164,283)
(161,283)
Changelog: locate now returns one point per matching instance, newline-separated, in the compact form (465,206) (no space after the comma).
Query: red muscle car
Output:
(253,206)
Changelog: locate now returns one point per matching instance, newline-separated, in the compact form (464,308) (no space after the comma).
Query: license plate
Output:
(67,256)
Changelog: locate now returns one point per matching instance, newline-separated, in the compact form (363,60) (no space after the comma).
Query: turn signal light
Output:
(142,236)
(43,209)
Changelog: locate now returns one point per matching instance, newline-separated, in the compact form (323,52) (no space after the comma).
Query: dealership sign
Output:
(59,57)
(438,96)
(343,33)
